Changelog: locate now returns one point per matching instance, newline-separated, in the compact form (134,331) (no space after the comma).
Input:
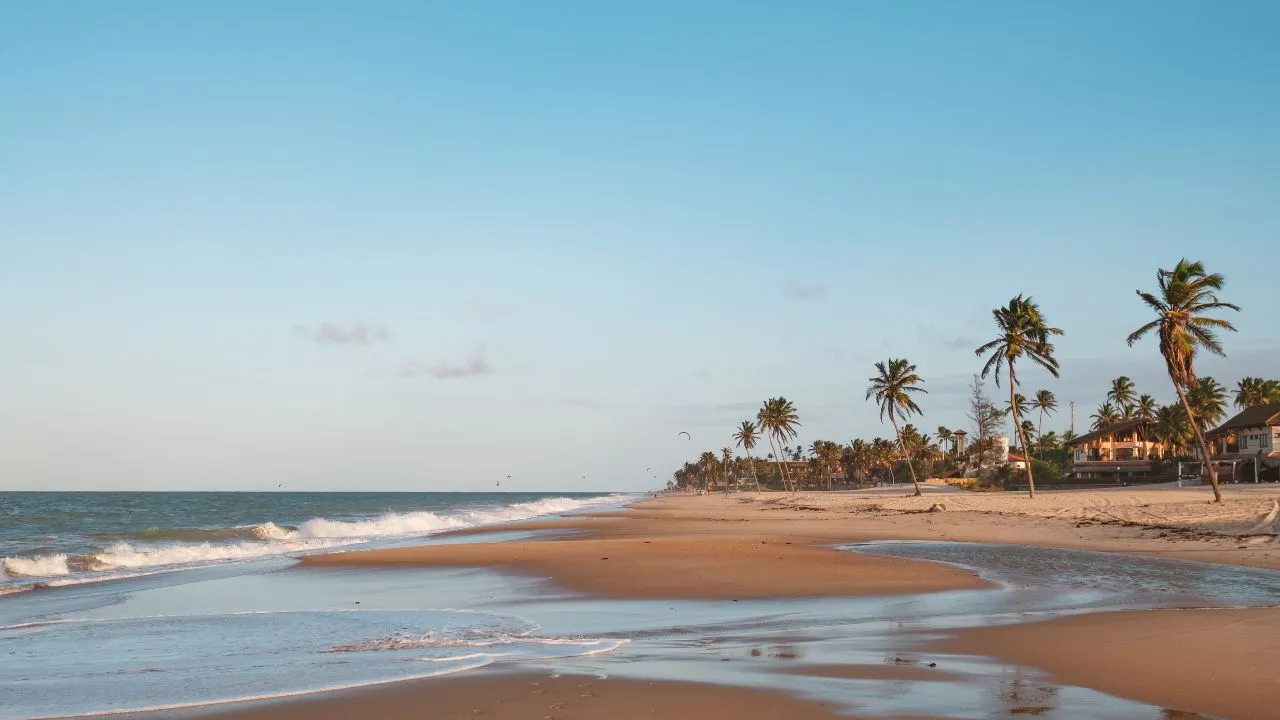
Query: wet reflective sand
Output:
(865,654)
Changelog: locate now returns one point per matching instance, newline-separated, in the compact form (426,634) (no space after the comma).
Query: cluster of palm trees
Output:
(1185,297)
(1170,425)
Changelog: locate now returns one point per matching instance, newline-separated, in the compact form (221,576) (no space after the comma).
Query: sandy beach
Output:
(1218,662)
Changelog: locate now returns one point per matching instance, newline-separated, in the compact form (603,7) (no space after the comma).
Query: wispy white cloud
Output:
(357,334)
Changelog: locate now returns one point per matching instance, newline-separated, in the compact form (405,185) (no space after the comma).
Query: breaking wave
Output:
(158,548)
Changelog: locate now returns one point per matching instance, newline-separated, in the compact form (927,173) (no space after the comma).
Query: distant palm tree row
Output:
(1183,301)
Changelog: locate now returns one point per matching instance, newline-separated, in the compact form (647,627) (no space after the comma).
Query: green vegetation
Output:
(1186,296)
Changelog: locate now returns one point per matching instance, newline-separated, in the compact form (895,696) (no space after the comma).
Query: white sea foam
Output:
(125,555)
(38,566)
(269,539)
(425,523)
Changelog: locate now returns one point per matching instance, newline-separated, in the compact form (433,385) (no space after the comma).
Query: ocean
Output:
(51,539)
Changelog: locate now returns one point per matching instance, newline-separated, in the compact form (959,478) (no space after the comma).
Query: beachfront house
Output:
(1249,442)
(1121,451)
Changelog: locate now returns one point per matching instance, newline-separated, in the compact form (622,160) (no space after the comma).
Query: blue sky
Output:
(405,245)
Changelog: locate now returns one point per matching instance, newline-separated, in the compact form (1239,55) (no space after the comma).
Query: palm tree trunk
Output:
(782,470)
(1017,423)
(1205,455)
(906,455)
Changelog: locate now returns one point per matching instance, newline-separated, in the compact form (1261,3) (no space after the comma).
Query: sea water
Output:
(120,602)
(63,538)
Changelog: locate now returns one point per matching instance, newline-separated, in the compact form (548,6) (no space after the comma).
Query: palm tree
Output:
(726,454)
(1145,410)
(1046,403)
(885,454)
(1106,415)
(891,387)
(1018,401)
(1171,428)
(778,419)
(1122,395)
(746,436)
(1029,431)
(707,461)
(1254,391)
(826,452)
(1024,333)
(1186,294)
(862,457)
(946,439)
(1208,401)
(1049,441)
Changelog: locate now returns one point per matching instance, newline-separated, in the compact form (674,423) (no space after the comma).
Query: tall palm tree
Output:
(1106,415)
(746,436)
(1122,394)
(1024,333)
(1254,391)
(726,455)
(779,420)
(891,386)
(1186,293)
(1046,403)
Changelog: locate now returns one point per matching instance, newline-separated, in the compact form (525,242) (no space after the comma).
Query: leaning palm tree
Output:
(1024,333)
(779,420)
(1186,293)
(1122,394)
(1046,403)
(746,436)
(891,387)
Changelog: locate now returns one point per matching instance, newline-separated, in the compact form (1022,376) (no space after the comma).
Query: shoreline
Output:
(780,546)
